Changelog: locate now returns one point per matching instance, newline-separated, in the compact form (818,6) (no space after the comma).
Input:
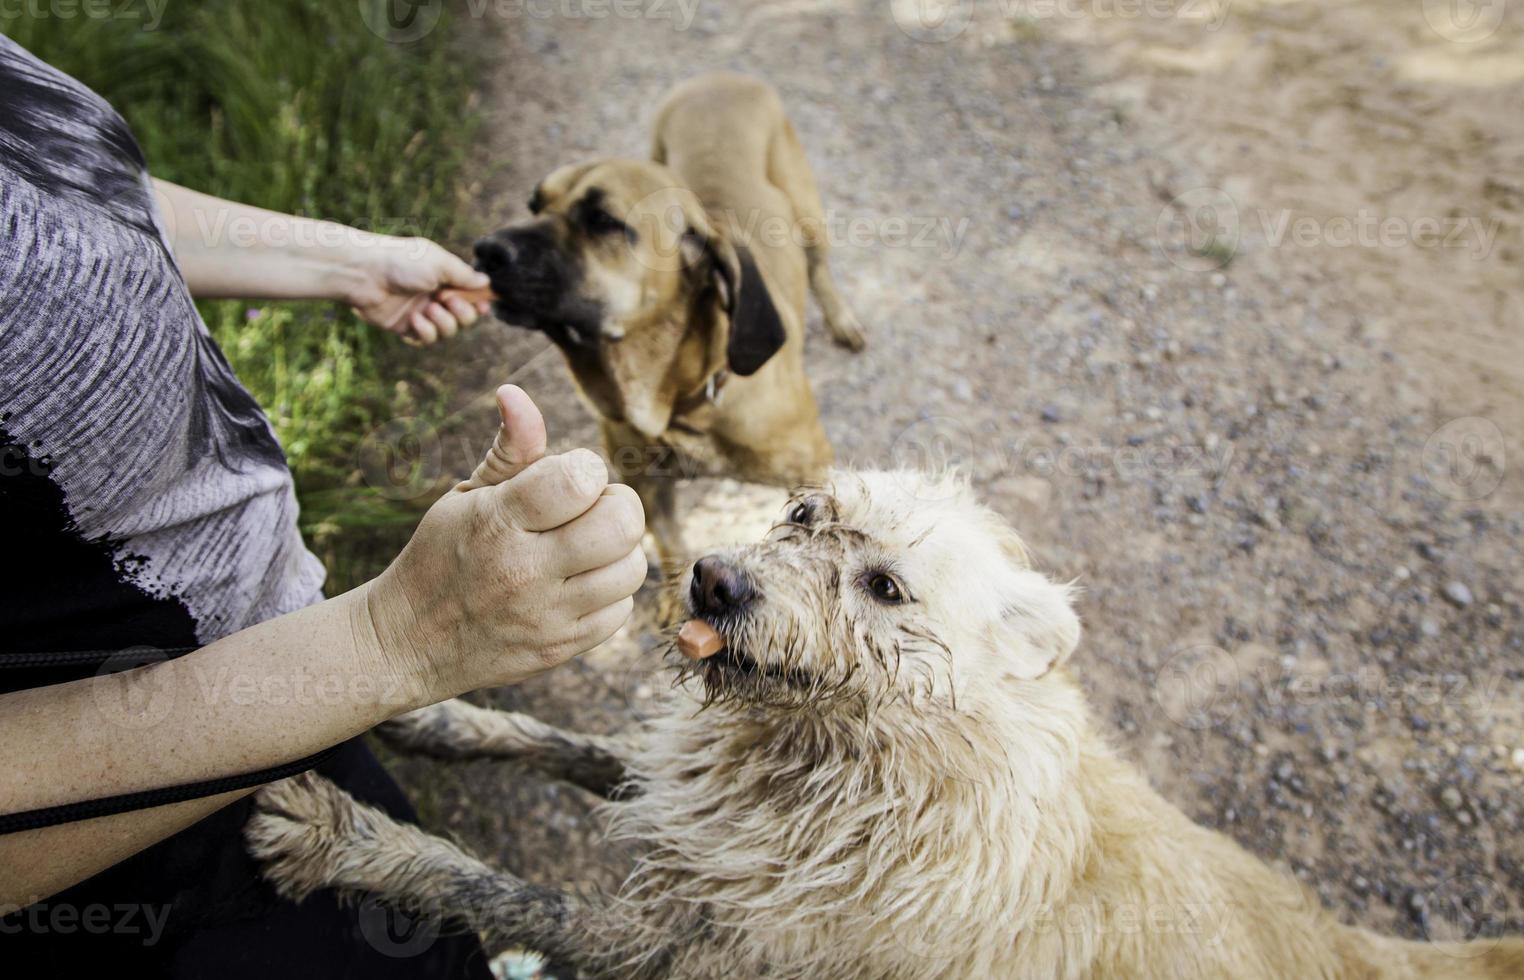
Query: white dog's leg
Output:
(310,835)
(455,729)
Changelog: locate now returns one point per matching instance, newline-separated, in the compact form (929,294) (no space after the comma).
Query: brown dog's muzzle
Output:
(537,282)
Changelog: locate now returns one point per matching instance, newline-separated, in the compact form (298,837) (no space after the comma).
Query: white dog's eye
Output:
(883,587)
(800,514)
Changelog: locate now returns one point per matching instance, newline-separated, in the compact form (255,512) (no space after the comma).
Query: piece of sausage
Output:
(472,296)
(697,640)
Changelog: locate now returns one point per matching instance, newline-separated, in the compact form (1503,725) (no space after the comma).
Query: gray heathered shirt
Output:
(153,503)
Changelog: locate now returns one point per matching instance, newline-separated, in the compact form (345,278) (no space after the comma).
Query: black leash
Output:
(106,806)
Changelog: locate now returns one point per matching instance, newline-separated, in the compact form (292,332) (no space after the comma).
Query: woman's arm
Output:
(198,717)
(530,562)
(231,250)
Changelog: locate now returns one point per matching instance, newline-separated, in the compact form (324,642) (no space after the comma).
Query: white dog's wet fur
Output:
(889,773)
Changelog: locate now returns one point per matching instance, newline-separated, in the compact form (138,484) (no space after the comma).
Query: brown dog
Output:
(676,289)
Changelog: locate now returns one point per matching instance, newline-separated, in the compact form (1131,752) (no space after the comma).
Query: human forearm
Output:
(529,562)
(270,694)
(226,249)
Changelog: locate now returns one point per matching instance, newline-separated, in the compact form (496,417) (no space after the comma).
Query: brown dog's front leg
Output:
(457,730)
(310,835)
(659,496)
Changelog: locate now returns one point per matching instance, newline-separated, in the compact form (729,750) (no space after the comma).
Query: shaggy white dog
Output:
(887,773)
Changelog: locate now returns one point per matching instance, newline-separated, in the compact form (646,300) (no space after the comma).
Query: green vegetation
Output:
(295,105)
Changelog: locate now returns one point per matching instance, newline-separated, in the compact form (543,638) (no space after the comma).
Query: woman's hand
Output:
(525,565)
(231,250)
(396,280)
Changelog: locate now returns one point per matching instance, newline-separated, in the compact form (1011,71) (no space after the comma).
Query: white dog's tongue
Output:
(697,640)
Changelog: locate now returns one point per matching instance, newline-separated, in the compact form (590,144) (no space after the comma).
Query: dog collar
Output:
(709,394)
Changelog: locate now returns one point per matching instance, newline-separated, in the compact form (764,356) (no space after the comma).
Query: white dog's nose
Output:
(719,587)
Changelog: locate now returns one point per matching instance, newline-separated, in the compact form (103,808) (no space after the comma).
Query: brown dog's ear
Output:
(557,183)
(756,329)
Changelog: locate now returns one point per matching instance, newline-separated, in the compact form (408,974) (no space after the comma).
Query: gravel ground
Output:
(1297,533)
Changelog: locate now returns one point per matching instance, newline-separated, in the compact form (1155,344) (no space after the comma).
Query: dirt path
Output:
(1303,615)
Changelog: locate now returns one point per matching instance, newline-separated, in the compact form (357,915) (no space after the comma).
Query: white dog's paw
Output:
(299,831)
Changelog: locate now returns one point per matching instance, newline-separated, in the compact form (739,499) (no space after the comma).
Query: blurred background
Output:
(1220,301)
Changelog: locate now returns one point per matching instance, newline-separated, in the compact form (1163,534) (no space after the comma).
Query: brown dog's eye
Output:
(883,587)
(600,222)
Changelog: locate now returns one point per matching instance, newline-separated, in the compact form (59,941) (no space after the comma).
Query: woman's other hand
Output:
(530,562)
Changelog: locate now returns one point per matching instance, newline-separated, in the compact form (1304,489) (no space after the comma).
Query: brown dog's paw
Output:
(846,332)
(298,827)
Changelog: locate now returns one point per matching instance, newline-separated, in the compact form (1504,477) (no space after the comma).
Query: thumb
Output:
(452,271)
(520,440)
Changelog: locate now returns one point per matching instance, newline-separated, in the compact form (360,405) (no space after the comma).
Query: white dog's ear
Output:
(1037,630)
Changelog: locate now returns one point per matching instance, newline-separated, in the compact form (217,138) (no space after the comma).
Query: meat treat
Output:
(697,640)
(469,295)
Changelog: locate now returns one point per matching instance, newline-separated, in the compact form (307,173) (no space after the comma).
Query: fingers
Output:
(520,440)
(455,272)
(442,319)
(465,313)
(433,320)
(552,491)
(591,591)
(603,535)
(598,626)
(423,328)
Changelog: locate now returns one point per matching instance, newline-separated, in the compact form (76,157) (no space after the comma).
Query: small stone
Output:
(1451,798)
(1050,413)
(1458,594)
(1518,759)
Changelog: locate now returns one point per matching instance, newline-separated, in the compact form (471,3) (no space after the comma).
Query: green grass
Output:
(295,105)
